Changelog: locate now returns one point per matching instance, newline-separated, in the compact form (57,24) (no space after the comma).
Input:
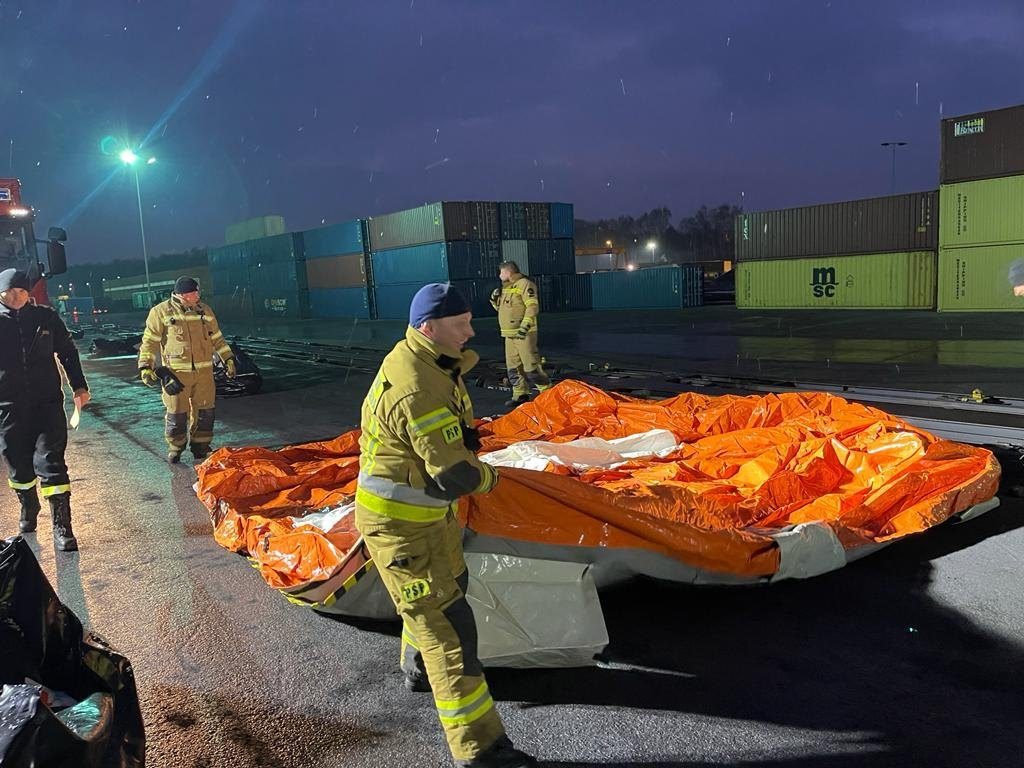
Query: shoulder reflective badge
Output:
(452,433)
(415,590)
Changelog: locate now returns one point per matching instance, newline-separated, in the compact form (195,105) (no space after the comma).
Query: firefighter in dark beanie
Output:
(33,425)
(184,332)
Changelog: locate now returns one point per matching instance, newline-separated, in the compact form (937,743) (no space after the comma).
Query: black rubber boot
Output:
(29,509)
(173,457)
(416,683)
(501,754)
(63,537)
(200,451)
(517,400)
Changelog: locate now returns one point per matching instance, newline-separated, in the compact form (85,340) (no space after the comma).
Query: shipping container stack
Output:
(463,243)
(878,253)
(539,238)
(337,271)
(263,278)
(981,196)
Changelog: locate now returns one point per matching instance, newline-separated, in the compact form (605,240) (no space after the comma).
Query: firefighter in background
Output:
(185,333)
(417,457)
(518,307)
(33,425)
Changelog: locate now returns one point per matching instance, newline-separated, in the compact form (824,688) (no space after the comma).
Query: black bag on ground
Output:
(45,650)
(248,378)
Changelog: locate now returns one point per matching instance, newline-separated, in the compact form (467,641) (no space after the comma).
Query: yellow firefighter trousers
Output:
(522,361)
(424,571)
(190,413)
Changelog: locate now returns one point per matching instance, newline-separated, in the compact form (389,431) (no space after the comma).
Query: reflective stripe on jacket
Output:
(412,433)
(518,306)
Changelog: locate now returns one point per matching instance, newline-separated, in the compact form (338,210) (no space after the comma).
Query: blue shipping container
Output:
(564,293)
(485,221)
(513,221)
(415,264)
(478,294)
(279,289)
(276,249)
(552,257)
(391,302)
(226,280)
(339,302)
(562,223)
(473,260)
(538,221)
(225,257)
(334,240)
(670,287)
(693,285)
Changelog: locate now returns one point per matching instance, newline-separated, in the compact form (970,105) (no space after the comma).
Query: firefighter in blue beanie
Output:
(417,457)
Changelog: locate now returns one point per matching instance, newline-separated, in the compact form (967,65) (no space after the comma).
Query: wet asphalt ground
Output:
(911,657)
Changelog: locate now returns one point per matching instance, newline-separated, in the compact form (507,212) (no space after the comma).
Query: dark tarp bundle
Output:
(44,642)
(248,379)
(125,345)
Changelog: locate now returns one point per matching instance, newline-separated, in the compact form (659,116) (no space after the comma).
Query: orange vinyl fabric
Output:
(744,469)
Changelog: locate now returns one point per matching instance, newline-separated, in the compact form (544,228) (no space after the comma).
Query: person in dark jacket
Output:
(33,426)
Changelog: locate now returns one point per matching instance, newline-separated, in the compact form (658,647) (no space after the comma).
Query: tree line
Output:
(707,235)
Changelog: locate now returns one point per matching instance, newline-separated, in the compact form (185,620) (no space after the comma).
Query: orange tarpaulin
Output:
(741,470)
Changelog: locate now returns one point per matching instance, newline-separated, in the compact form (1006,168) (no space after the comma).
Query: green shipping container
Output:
(252,229)
(865,281)
(986,212)
(431,223)
(977,279)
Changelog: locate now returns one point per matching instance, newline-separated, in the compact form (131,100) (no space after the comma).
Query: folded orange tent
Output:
(713,490)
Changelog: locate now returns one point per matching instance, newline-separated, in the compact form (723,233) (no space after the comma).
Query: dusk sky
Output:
(325,111)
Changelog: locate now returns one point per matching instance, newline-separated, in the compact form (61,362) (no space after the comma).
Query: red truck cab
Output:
(18,241)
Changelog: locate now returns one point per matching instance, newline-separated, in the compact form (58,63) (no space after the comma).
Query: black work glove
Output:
(171,384)
(471,438)
(496,295)
(435,491)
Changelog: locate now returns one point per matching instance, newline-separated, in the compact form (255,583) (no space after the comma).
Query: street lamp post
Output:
(652,247)
(129,158)
(894,145)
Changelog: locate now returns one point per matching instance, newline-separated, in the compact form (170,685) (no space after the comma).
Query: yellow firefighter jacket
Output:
(518,306)
(414,462)
(185,337)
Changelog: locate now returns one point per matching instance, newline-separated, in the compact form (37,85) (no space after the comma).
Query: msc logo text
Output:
(823,282)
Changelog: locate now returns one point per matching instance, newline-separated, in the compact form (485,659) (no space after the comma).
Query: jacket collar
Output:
(445,358)
(180,305)
(9,312)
